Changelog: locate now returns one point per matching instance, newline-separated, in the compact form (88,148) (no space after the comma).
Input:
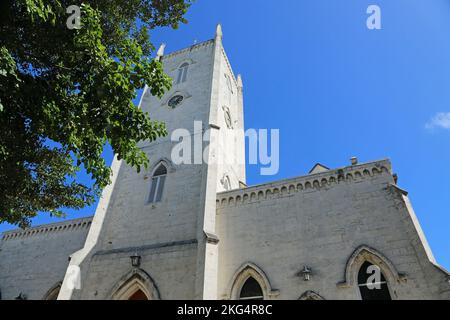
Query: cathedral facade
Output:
(197,231)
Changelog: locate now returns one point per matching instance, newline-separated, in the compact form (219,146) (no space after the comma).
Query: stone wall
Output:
(33,261)
(167,234)
(319,221)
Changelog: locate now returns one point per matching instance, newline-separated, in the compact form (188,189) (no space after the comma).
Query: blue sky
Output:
(336,89)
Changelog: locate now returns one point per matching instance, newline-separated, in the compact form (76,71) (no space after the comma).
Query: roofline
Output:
(47,226)
(318,164)
(173,53)
(308,176)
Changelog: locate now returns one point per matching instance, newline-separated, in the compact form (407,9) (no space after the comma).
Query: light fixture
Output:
(306,273)
(135,260)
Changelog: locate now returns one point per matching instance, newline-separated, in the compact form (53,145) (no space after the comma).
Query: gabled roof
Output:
(318,168)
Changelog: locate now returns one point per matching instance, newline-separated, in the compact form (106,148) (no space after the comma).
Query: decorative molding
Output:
(211,238)
(310,295)
(246,271)
(365,253)
(398,189)
(188,49)
(65,226)
(308,183)
(147,247)
(166,162)
(136,279)
(229,66)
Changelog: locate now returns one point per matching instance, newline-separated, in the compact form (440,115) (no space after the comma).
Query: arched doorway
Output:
(138,295)
(136,285)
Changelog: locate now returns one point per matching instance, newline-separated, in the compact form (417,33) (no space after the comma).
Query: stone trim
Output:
(133,281)
(211,238)
(229,67)
(398,189)
(246,271)
(308,183)
(310,295)
(365,253)
(442,270)
(191,48)
(147,247)
(69,225)
(171,168)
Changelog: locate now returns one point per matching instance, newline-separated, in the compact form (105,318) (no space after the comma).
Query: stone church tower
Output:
(171,226)
(194,229)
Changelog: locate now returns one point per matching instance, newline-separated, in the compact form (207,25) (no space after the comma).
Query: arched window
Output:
(372,283)
(157,184)
(250,282)
(182,73)
(251,290)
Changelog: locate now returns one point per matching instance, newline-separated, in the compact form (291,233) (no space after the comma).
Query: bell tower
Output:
(166,215)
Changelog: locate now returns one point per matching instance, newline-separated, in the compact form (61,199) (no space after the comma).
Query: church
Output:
(197,231)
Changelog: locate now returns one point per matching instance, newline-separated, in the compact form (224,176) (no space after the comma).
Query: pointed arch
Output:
(183,68)
(53,292)
(164,161)
(159,172)
(185,62)
(310,295)
(157,182)
(245,272)
(136,281)
(365,253)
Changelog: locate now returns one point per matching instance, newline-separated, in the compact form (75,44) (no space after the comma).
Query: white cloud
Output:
(440,120)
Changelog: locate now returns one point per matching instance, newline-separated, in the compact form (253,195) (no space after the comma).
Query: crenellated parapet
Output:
(194,47)
(65,226)
(308,183)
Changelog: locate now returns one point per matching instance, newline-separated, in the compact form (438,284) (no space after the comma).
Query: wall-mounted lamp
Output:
(306,273)
(135,260)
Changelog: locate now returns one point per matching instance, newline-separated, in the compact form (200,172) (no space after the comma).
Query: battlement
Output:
(307,183)
(199,46)
(64,226)
(194,47)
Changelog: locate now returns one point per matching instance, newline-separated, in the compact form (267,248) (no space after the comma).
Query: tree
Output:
(65,93)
